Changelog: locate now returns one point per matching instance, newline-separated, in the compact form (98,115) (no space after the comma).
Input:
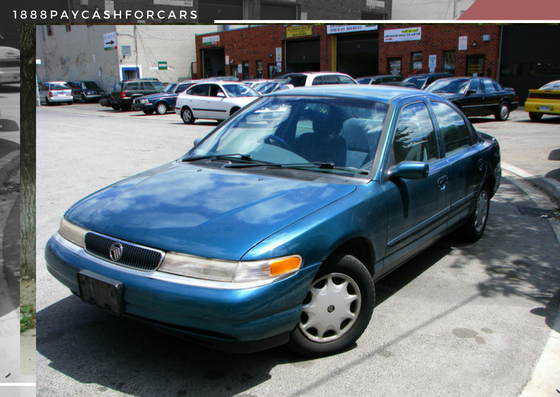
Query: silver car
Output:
(51,92)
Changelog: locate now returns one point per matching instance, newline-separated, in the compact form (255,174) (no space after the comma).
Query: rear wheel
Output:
(336,310)
(535,116)
(502,114)
(161,108)
(187,115)
(474,228)
(116,107)
(148,112)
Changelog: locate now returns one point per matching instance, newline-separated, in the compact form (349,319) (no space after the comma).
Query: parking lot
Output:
(458,320)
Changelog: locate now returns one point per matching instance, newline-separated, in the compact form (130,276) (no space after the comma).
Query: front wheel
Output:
(502,114)
(474,228)
(161,108)
(336,310)
(187,115)
(535,116)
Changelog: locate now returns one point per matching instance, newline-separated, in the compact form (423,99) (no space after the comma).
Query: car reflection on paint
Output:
(275,227)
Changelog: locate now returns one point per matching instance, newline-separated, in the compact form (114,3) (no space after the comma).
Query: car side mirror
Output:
(471,92)
(410,170)
(221,94)
(196,142)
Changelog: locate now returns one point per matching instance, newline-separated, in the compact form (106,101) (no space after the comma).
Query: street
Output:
(457,320)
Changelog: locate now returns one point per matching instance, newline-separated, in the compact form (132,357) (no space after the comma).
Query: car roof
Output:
(381,93)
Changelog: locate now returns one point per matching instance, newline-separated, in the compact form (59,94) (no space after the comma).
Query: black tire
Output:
(116,107)
(535,116)
(148,112)
(187,115)
(502,114)
(161,108)
(336,331)
(474,227)
(84,100)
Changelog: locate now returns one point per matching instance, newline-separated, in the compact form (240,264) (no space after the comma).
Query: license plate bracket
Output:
(101,291)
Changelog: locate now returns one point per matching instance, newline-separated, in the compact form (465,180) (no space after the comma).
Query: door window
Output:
(452,127)
(200,90)
(415,136)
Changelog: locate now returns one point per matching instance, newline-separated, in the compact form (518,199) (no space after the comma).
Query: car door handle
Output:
(442,182)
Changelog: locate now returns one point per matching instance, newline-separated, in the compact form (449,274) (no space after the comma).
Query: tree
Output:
(28,154)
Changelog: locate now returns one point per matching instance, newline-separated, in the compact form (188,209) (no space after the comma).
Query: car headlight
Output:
(229,271)
(73,233)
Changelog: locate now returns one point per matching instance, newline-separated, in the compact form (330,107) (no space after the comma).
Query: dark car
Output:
(423,81)
(161,102)
(477,96)
(382,79)
(86,91)
(275,227)
(105,100)
(126,91)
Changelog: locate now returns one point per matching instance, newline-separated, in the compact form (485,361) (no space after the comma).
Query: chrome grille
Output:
(133,255)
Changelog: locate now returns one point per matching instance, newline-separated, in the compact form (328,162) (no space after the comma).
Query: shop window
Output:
(245,70)
(259,70)
(449,62)
(416,64)
(394,66)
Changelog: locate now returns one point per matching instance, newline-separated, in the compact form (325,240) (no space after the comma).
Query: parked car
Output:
(52,92)
(161,102)
(124,93)
(272,86)
(9,65)
(305,79)
(545,100)
(86,91)
(275,228)
(382,79)
(422,81)
(477,96)
(216,100)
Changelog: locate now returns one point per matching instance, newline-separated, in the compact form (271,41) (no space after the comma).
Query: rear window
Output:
(60,87)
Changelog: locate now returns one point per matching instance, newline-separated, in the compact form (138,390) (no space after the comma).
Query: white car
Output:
(305,79)
(52,92)
(9,65)
(215,100)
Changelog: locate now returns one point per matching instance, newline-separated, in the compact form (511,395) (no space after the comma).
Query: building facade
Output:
(108,54)
(359,50)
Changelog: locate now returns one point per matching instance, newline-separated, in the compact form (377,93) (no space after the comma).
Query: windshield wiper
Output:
(212,157)
(317,165)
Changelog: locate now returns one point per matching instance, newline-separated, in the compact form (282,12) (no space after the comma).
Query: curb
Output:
(548,185)
(8,163)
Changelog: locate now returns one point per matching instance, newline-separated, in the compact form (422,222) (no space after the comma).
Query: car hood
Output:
(202,211)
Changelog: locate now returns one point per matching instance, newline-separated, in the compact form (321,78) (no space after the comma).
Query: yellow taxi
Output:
(545,100)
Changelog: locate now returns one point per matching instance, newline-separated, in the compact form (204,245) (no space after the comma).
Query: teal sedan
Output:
(275,228)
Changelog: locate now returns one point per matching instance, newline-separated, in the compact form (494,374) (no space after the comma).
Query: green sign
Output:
(162,65)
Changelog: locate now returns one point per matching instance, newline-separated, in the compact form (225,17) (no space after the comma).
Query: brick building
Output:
(359,50)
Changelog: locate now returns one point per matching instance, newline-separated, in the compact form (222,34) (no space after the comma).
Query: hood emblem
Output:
(115,252)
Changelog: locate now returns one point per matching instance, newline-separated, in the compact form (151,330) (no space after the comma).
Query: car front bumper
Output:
(145,107)
(237,320)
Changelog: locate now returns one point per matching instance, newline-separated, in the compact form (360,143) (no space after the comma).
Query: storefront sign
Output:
(186,3)
(211,40)
(162,65)
(408,34)
(463,42)
(299,31)
(375,4)
(110,41)
(334,29)
(278,54)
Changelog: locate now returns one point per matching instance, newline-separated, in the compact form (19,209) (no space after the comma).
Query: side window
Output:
(415,137)
(345,80)
(452,127)
(488,85)
(200,90)
(215,89)
(331,79)
(130,87)
(475,85)
(318,80)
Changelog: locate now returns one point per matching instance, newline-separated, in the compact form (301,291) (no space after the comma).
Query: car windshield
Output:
(239,90)
(454,86)
(170,88)
(338,135)
(92,85)
(553,85)
(417,81)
